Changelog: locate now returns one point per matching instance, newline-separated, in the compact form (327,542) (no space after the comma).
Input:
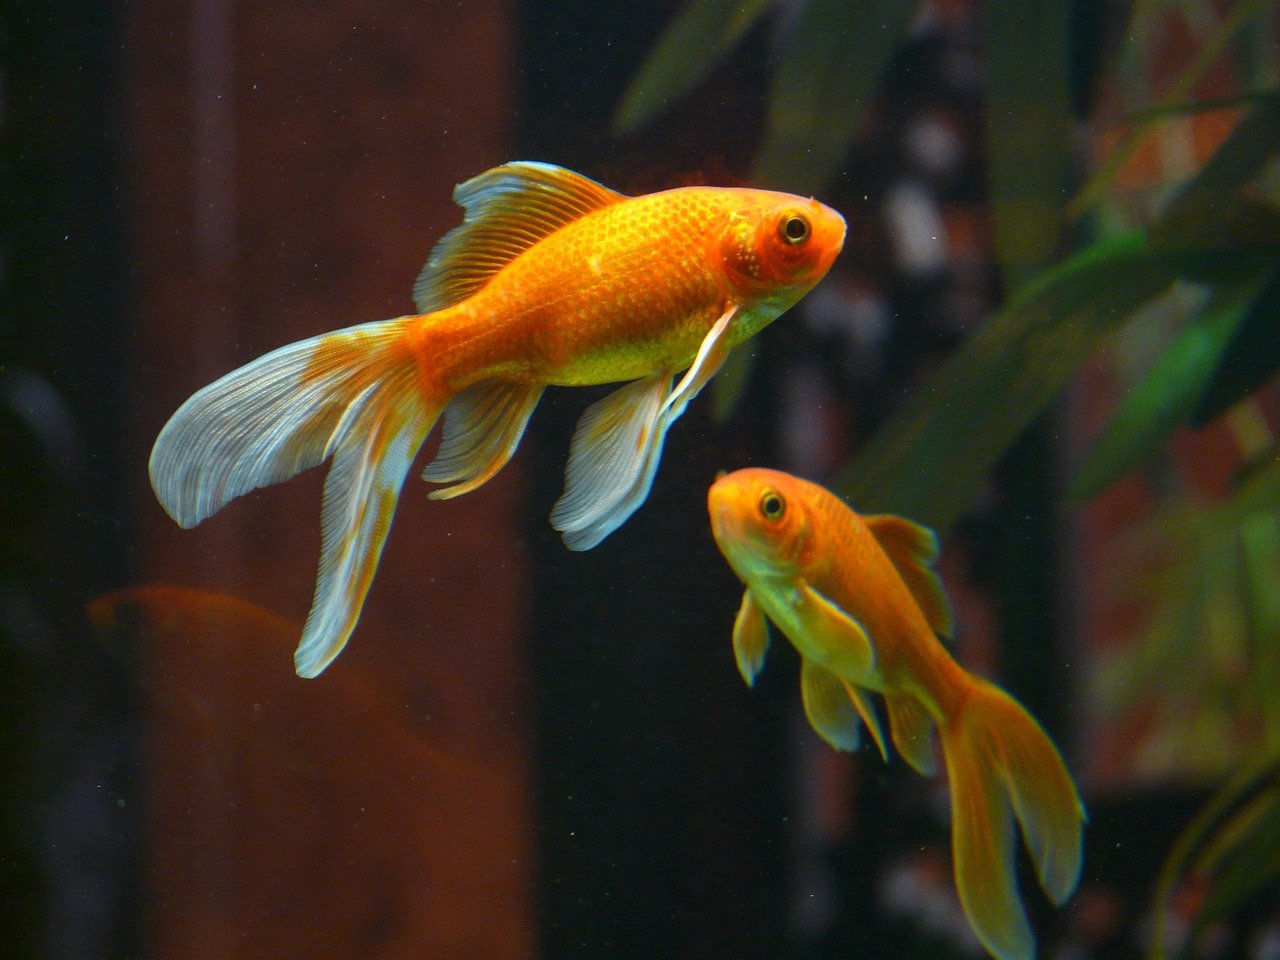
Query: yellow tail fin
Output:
(1002,765)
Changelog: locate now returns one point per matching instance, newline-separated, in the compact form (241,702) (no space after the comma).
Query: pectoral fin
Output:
(750,638)
(609,477)
(826,624)
(711,353)
(607,458)
(828,706)
(836,632)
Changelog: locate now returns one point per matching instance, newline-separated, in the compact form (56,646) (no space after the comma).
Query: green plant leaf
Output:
(1212,196)
(1259,490)
(1028,131)
(1252,861)
(702,35)
(828,70)
(1250,357)
(1209,52)
(1170,111)
(1221,810)
(1234,240)
(1164,398)
(1205,660)
(930,460)
(1266,455)
(1260,593)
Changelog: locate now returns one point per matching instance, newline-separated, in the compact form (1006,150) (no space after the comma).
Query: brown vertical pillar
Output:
(291,166)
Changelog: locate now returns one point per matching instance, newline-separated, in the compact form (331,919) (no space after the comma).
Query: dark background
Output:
(550,754)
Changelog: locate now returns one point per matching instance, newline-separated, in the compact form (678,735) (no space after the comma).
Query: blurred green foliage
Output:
(1233,845)
(1200,249)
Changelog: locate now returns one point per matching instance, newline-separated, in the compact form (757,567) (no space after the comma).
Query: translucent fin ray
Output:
(828,707)
(1042,793)
(983,857)
(610,449)
(868,714)
(508,210)
(482,428)
(372,455)
(750,638)
(265,422)
(605,486)
(837,631)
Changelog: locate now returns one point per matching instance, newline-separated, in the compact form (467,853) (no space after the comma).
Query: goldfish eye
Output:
(772,506)
(794,229)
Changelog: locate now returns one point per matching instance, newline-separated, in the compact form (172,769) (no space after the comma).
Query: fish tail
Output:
(1001,765)
(354,395)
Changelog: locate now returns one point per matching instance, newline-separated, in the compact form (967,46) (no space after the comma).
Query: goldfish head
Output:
(761,522)
(776,246)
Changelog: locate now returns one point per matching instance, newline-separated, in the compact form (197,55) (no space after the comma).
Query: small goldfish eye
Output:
(772,506)
(794,229)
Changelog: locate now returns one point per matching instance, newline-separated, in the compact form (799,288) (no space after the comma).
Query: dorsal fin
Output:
(913,550)
(508,210)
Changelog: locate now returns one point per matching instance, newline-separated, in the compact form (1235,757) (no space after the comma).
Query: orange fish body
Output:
(858,599)
(552,279)
(619,294)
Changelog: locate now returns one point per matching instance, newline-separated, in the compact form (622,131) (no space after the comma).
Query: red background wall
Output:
(291,165)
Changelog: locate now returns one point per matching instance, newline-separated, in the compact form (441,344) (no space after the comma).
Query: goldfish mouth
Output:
(719,520)
(723,522)
(839,231)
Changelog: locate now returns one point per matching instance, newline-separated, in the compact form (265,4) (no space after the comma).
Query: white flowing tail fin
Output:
(354,395)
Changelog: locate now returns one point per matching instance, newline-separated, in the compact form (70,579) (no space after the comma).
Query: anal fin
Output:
(868,715)
(482,427)
(912,730)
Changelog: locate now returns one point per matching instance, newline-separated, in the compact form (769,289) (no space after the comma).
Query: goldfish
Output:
(551,280)
(858,598)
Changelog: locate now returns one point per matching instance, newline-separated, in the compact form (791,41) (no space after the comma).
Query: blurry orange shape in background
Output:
(287,818)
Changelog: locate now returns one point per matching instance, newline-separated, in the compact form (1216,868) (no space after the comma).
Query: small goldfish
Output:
(858,598)
(552,279)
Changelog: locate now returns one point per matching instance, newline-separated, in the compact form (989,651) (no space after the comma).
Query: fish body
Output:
(552,279)
(843,561)
(623,292)
(858,599)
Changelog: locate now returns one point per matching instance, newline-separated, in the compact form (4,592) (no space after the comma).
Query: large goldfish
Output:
(550,279)
(857,597)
